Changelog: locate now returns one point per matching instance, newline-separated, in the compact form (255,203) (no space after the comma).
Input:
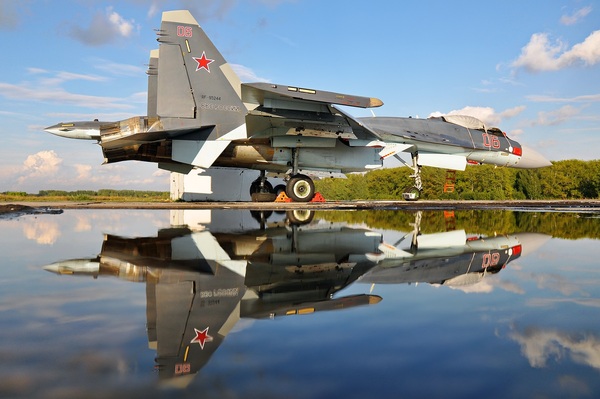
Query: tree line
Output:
(570,179)
(478,222)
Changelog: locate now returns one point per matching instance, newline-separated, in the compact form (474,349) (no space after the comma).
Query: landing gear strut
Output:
(261,190)
(299,187)
(414,193)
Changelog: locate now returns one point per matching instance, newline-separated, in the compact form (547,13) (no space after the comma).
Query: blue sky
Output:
(531,68)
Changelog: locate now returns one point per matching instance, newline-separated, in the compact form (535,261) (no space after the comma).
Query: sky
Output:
(531,68)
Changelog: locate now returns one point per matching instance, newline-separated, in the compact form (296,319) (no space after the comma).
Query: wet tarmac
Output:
(527,205)
(176,300)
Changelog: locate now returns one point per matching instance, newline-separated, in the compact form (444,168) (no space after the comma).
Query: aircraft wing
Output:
(283,110)
(263,93)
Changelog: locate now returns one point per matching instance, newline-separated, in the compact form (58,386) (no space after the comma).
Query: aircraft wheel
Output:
(255,187)
(412,194)
(300,188)
(299,217)
(263,197)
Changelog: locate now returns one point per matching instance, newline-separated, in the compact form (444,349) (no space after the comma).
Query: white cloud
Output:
(246,74)
(42,231)
(47,170)
(83,171)
(576,16)
(40,164)
(541,55)
(538,346)
(118,69)
(62,77)
(512,112)
(488,284)
(47,88)
(105,27)
(161,173)
(556,117)
(589,98)
(35,71)
(119,24)
(154,9)
(488,115)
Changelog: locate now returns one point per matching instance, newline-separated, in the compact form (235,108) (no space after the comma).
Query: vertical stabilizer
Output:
(194,80)
(152,83)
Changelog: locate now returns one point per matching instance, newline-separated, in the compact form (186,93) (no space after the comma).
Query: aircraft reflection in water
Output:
(199,283)
(449,258)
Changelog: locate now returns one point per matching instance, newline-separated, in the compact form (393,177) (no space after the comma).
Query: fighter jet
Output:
(450,258)
(200,283)
(200,115)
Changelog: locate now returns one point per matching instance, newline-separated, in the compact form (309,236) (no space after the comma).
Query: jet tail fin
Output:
(194,80)
(152,83)
(196,90)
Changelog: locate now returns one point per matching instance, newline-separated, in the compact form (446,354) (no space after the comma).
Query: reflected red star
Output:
(201,337)
(203,62)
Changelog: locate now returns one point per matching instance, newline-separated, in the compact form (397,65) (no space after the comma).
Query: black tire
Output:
(255,187)
(263,197)
(300,217)
(300,188)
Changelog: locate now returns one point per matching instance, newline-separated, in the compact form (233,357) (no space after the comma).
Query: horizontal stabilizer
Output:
(257,93)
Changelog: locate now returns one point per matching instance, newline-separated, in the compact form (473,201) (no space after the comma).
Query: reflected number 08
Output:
(182,368)
(491,259)
(184,31)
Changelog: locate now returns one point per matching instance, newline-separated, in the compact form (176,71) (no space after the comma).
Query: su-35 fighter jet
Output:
(199,284)
(200,115)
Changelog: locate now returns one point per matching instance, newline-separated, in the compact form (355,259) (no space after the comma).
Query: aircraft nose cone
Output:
(54,129)
(531,242)
(532,159)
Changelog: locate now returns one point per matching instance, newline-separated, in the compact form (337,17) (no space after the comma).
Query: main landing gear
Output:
(261,190)
(299,188)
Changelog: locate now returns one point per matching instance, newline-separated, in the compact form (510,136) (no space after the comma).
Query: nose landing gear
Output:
(414,193)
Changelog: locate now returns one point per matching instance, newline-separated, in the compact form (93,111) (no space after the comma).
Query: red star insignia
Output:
(203,62)
(201,337)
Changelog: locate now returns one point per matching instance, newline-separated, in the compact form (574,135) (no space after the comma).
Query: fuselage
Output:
(438,143)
